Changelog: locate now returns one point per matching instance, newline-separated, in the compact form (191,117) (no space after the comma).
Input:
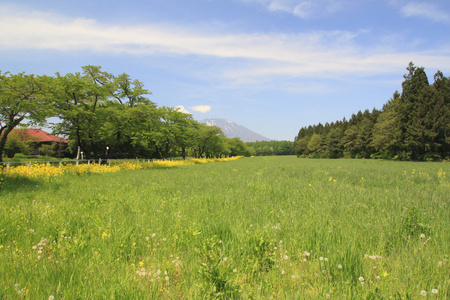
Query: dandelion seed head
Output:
(423,293)
(434,291)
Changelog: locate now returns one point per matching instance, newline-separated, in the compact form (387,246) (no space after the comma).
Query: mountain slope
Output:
(232,130)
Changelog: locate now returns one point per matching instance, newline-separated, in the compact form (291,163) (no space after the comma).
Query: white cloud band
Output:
(317,53)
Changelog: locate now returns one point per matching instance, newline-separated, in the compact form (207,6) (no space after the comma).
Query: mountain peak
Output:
(232,130)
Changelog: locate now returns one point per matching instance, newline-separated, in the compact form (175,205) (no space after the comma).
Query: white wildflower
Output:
(423,293)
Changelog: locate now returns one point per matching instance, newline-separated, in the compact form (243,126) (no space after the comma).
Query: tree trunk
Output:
(4,134)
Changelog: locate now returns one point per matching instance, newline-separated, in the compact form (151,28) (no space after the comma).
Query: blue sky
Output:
(272,66)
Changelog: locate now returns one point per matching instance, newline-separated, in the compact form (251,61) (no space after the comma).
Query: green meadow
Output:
(253,228)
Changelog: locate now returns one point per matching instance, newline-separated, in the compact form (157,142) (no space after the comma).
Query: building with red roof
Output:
(40,136)
(41,142)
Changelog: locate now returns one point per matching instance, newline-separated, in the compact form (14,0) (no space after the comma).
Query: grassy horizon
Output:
(258,227)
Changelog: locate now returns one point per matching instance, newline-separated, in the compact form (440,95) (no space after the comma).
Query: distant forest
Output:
(264,148)
(413,125)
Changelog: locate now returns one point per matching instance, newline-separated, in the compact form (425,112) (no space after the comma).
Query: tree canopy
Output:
(23,97)
(413,125)
(107,116)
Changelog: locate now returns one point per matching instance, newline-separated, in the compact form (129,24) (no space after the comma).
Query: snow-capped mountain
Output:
(232,130)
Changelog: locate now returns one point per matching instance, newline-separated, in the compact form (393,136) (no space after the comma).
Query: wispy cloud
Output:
(314,53)
(201,108)
(304,9)
(427,10)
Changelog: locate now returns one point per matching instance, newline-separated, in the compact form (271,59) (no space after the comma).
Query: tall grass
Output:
(261,227)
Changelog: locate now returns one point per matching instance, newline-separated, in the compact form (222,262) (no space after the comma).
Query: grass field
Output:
(253,228)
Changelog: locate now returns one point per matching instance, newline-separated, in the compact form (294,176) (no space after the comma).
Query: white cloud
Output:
(201,108)
(181,108)
(304,9)
(315,53)
(426,10)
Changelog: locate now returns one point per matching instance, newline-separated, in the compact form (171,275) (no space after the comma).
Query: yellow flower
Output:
(104,234)
(141,263)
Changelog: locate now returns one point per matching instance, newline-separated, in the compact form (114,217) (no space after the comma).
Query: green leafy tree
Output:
(207,141)
(22,97)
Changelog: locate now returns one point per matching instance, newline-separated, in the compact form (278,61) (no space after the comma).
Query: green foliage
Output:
(260,253)
(413,125)
(22,96)
(264,148)
(216,271)
(17,143)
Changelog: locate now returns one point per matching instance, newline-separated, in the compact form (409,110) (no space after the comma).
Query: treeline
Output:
(413,125)
(107,116)
(264,148)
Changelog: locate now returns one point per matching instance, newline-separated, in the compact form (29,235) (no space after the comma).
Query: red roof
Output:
(41,136)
